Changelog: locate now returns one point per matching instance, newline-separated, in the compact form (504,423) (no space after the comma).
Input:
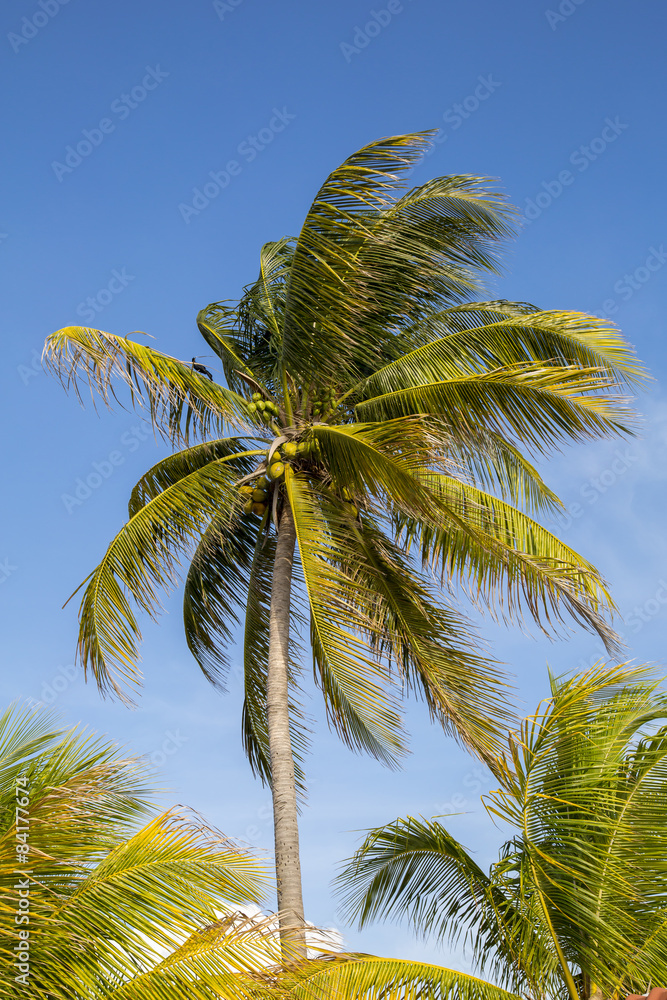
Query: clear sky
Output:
(116,116)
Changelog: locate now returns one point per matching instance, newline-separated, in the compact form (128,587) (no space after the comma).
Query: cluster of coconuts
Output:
(266,409)
(324,403)
(257,493)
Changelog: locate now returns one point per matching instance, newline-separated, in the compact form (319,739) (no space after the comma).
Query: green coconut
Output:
(276,470)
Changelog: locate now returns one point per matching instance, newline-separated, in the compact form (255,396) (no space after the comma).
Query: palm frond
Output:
(352,682)
(552,338)
(531,405)
(413,870)
(181,403)
(144,557)
(511,563)
(586,770)
(426,644)
(175,467)
(349,977)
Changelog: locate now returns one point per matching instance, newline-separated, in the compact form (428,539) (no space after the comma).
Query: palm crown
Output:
(377,415)
(575,905)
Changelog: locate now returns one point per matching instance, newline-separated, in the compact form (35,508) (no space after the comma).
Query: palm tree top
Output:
(576,902)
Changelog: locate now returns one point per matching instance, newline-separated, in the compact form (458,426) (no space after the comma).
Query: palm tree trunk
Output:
(285,825)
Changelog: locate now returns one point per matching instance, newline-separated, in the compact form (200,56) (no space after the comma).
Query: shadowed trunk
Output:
(285,826)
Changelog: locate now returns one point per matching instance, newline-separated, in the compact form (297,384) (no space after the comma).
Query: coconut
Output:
(246,491)
(256,396)
(259,496)
(251,408)
(276,470)
(290,449)
(247,507)
(258,508)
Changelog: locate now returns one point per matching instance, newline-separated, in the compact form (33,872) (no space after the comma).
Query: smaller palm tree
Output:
(114,909)
(576,904)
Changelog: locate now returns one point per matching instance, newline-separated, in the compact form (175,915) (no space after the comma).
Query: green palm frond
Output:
(490,462)
(144,557)
(224,959)
(427,646)
(511,563)
(181,403)
(413,870)
(365,261)
(351,977)
(175,467)
(353,684)
(213,598)
(109,901)
(586,769)
(578,894)
(530,404)
(559,339)
(247,336)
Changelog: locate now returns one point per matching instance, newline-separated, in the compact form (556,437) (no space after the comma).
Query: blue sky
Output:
(563,103)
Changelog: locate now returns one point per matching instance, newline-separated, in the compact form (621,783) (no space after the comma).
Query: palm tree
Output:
(95,906)
(576,905)
(372,409)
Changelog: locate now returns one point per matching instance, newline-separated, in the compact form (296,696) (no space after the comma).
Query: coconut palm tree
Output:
(576,905)
(96,905)
(369,445)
